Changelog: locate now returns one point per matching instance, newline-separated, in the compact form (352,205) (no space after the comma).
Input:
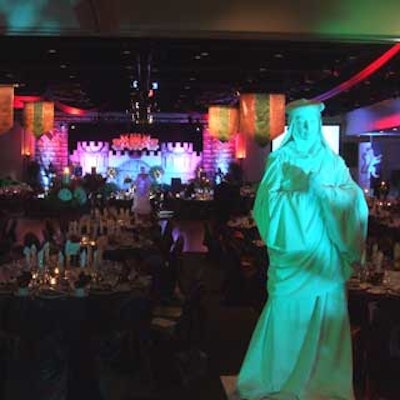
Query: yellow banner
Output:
(6,108)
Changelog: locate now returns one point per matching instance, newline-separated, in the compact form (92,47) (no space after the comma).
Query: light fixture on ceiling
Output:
(143,100)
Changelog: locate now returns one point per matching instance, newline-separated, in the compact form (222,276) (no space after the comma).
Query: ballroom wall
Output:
(11,159)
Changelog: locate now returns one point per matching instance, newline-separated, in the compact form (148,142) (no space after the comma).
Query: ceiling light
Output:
(204,54)
(126,52)
(192,78)
(262,69)
(52,51)
(278,55)
(197,57)
(63,66)
(187,87)
(72,76)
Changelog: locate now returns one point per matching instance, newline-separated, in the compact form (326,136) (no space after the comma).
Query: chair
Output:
(185,323)
(178,246)
(211,242)
(167,238)
(120,344)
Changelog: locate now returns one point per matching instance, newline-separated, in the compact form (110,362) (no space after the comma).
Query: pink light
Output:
(19,101)
(385,123)
(71,110)
(360,76)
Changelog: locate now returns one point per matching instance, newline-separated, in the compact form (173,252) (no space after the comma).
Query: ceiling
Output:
(93,72)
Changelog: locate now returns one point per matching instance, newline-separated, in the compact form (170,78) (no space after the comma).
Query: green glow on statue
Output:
(313,218)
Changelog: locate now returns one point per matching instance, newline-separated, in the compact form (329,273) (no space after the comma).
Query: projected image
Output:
(331,134)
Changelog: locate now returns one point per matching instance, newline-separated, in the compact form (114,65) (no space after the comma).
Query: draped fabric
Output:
(312,217)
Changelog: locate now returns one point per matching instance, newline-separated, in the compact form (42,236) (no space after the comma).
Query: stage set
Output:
(120,157)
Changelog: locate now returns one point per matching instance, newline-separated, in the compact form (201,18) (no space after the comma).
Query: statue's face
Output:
(306,128)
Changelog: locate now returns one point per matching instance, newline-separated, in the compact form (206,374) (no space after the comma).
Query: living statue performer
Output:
(141,200)
(313,218)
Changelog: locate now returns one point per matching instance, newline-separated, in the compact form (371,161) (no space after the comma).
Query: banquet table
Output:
(62,346)
(375,308)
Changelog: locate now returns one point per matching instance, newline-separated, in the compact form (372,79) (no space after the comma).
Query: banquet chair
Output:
(184,324)
(212,242)
(10,230)
(167,238)
(171,287)
(180,361)
(120,344)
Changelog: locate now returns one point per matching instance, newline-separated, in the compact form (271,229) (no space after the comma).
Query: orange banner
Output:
(39,117)
(262,116)
(223,122)
(6,108)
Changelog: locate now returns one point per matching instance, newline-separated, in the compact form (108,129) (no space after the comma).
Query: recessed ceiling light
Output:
(192,78)
(204,54)
(52,51)
(63,66)
(278,55)
(187,87)
(262,69)
(126,52)
(197,57)
(72,76)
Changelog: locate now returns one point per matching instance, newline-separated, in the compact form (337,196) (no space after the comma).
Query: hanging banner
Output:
(6,108)
(262,116)
(223,122)
(39,117)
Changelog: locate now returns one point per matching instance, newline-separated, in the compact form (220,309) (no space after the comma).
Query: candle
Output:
(53,281)
(66,178)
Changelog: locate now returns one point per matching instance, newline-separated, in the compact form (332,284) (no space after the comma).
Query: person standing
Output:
(313,218)
(141,200)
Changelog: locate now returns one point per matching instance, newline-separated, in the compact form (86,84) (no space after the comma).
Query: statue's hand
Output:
(294,178)
(316,184)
